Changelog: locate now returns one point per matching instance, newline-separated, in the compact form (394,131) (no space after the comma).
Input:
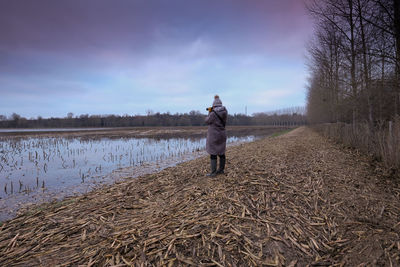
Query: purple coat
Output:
(216,134)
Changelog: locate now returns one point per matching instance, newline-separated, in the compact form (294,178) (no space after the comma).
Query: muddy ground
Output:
(293,200)
(146,132)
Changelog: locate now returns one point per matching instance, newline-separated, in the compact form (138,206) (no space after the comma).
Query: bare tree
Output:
(353,60)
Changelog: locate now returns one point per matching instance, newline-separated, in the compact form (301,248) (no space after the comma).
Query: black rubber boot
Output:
(213,168)
(221,165)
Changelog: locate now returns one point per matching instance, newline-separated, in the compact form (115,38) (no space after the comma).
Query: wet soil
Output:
(293,200)
(147,132)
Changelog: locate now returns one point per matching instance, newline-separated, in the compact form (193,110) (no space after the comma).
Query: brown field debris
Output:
(146,132)
(293,200)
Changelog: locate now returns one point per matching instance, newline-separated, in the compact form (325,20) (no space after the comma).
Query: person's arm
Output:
(225,116)
(210,118)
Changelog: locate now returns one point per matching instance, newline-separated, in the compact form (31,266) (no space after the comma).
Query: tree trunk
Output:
(381,92)
(353,61)
(396,7)
(365,67)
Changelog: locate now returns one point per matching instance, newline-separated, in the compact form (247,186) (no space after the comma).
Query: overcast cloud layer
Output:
(127,57)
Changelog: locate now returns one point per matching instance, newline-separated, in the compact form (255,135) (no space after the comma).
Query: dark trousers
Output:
(215,156)
(221,168)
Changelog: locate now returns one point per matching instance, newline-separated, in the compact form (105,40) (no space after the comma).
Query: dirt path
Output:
(294,200)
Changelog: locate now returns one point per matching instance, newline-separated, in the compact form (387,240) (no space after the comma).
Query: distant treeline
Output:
(287,117)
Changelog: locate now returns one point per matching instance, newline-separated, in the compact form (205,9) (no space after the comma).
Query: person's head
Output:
(217,102)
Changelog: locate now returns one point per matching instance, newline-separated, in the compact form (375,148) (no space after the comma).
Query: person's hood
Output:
(219,108)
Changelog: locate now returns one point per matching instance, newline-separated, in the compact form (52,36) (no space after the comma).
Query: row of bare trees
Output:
(354,61)
(287,117)
(354,86)
(292,116)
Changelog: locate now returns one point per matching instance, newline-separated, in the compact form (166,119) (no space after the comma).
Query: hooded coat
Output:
(216,134)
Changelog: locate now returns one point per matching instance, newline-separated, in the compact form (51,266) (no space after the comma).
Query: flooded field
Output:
(36,168)
(24,130)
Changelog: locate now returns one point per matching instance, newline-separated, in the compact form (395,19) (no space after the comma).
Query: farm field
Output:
(292,200)
(43,164)
(127,132)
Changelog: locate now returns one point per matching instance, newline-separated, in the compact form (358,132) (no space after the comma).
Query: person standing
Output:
(216,136)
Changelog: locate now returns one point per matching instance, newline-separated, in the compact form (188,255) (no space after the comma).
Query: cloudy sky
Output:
(131,56)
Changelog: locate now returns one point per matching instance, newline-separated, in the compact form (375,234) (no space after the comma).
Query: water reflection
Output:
(29,165)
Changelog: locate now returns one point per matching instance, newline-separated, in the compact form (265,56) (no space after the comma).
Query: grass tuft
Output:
(282,132)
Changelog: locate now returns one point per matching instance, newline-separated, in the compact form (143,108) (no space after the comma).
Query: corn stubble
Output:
(293,200)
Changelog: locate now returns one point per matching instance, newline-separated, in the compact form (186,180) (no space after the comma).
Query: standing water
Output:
(41,168)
